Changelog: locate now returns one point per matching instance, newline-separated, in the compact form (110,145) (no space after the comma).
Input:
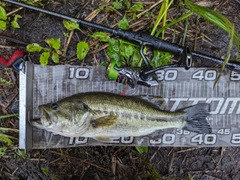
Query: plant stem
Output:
(7,116)
(174,22)
(160,16)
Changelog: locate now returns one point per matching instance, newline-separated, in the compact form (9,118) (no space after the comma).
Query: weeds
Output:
(7,140)
(54,45)
(4,20)
(20,154)
(152,173)
(221,22)
(52,50)
(142,149)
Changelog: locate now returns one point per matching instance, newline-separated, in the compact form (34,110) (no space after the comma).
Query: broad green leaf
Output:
(101,35)
(137,7)
(117,5)
(142,149)
(136,58)
(45,171)
(2,151)
(44,58)
(34,47)
(123,24)
(71,25)
(55,57)
(3,14)
(114,45)
(113,50)
(123,48)
(14,23)
(82,50)
(160,58)
(129,51)
(54,43)
(3,25)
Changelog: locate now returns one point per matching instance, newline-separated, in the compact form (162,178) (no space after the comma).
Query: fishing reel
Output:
(143,76)
(130,76)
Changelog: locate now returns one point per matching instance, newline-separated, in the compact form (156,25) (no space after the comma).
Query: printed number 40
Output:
(207,139)
(208,75)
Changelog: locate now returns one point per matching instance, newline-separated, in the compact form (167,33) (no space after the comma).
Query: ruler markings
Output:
(185,91)
(156,92)
(192,91)
(223,89)
(224,120)
(234,90)
(57,89)
(230,90)
(176,90)
(167,90)
(181,89)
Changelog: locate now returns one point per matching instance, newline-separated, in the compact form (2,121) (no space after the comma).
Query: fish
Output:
(104,116)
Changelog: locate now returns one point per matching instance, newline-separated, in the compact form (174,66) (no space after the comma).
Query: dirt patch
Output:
(109,162)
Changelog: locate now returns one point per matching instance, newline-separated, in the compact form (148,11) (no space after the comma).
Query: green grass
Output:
(221,22)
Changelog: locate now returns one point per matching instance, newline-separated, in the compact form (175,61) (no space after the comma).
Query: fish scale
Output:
(89,113)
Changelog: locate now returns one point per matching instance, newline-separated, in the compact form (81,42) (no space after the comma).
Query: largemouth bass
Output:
(104,116)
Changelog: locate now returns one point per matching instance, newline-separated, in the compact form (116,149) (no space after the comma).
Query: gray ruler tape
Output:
(179,88)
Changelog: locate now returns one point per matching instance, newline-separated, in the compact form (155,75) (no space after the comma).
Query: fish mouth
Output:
(44,119)
(37,123)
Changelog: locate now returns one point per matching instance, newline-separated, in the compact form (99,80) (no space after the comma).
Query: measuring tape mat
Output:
(179,88)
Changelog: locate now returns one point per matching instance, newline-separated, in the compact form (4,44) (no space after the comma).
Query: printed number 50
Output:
(235,76)
(235,139)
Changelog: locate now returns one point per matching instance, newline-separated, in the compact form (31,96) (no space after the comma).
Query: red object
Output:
(8,63)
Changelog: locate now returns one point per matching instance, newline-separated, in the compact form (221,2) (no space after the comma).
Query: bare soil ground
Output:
(110,162)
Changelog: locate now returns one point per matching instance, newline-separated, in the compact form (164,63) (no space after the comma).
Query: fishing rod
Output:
(143,39)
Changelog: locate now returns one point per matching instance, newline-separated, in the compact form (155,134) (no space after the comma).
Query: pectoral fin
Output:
(104,122)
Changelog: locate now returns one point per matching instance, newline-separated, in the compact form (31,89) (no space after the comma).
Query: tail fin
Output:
(195,118)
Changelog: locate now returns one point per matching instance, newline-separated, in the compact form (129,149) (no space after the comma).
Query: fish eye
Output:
(85,106)
(54,106)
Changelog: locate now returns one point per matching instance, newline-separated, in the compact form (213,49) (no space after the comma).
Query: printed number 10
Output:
(78,73)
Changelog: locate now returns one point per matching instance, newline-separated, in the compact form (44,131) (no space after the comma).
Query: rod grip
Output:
(147,39)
